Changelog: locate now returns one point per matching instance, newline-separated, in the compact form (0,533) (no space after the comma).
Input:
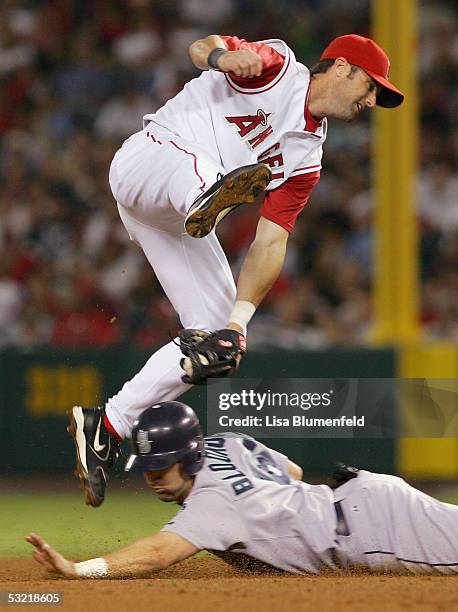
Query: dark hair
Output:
(324,65)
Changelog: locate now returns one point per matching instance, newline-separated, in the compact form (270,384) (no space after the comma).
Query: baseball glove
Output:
(210,355)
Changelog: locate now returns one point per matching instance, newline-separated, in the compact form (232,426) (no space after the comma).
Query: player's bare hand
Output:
(50,558)
(243,63)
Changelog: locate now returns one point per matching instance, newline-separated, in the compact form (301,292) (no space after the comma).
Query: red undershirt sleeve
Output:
(283,205)
(272,61)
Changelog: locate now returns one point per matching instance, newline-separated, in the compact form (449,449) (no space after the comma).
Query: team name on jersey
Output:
(254,129)
(218,460)
(273,158)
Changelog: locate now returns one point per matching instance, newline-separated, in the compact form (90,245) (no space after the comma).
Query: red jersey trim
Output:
(202,182)
(309,169)
(311,124)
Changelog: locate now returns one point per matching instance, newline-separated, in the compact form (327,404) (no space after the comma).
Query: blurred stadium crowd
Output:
(76,78)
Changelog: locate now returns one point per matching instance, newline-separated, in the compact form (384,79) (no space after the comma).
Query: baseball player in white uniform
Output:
(252,125)
(246,503)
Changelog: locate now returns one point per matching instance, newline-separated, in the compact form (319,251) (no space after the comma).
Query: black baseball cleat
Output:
(241,186)
(96,451)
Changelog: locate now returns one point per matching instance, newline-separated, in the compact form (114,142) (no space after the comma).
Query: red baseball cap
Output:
(366,54)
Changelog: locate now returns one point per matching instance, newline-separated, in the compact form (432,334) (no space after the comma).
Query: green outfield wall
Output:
(37,388)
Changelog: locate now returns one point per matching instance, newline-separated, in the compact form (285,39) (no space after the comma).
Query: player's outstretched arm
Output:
(242,63)
(149,554)
(137,559)
(219,354)
(262,264)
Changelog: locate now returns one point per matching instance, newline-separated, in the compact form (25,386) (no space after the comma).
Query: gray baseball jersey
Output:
(244,502)
(243,505)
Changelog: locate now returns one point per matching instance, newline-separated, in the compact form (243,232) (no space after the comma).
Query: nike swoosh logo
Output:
(97,446)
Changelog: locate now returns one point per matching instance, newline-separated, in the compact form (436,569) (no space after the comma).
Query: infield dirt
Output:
(209,584)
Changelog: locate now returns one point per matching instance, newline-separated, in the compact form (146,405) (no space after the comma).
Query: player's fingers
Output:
(36,540)
(248,67)
(252,68)
(256,70)
(51,555)
(31,537)
(242,67)
(246,64)
(253,64)
(44,548)
(42,560)
(40,557)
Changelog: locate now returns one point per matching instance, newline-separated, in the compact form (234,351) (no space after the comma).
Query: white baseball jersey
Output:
(239,126)
(244,503)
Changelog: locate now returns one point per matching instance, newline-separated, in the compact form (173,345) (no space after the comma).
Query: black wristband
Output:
(213,57)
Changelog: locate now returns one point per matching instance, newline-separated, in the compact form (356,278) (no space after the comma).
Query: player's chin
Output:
(349,116)
(165,496)
(352,116)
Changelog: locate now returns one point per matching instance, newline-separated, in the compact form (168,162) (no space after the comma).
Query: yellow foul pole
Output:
(394,27)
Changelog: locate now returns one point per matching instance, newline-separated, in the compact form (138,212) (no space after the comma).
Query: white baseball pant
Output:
(395,527)
(155,177)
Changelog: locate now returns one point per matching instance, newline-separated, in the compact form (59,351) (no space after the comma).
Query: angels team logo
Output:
(254,128)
